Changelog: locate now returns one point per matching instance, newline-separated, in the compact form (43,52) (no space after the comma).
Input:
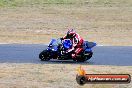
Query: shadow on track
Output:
(66,62)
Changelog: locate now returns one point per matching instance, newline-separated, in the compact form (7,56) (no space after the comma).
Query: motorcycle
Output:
(57,50)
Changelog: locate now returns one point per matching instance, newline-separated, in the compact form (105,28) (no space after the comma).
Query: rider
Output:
(77,42)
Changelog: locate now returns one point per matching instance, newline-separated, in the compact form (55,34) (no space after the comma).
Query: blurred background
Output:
(107,22)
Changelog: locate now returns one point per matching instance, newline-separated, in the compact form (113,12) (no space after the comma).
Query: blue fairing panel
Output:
(88,50)
(55,48)
(89,44)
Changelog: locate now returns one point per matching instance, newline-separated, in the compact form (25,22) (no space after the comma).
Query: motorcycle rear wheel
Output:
(84,57)
(87,57)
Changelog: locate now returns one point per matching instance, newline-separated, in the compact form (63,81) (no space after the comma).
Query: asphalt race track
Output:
(28,53)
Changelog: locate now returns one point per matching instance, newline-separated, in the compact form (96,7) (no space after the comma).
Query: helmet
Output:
(71,33)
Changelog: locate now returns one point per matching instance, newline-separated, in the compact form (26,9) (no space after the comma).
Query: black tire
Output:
(80,59)
(87,57)
(81,80)
(44,56)
(84,57)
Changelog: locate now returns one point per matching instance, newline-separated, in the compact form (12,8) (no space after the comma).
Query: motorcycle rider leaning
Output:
(77,42)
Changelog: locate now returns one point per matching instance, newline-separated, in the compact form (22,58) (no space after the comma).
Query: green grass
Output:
(15,3)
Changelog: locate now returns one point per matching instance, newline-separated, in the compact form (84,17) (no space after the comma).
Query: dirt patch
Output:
(104,25)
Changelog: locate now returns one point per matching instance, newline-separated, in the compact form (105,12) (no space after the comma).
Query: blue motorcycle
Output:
(57,50)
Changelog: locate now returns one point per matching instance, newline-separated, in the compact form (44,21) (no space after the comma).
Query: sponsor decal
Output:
(82,78)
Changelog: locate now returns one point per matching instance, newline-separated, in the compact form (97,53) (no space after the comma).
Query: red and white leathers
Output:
(77,42)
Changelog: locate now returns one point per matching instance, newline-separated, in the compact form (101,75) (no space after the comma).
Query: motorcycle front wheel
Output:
(44,56)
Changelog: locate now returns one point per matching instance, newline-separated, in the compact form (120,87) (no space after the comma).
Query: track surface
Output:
(28,53)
